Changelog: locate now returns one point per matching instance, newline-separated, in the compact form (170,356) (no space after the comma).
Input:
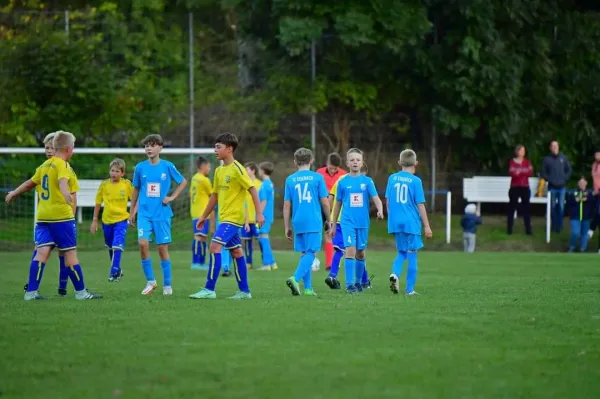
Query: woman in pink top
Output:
(520,171)
(596,172)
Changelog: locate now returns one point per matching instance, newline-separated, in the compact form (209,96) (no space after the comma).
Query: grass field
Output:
(488,325)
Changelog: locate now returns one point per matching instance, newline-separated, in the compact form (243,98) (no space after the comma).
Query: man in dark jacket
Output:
(556,170)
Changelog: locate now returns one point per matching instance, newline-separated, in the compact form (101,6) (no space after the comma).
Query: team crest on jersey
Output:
(227,179)
(163,176)
(363,187)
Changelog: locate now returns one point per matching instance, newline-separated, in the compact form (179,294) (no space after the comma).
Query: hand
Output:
(428,232)
(247,227)
(167,199)
(69,199)
(288,234)
(331,233)
(94,227)
(590,233)
(200,223)
(131,220)
(9,197)
(260,219)
(328,226)
(380,215)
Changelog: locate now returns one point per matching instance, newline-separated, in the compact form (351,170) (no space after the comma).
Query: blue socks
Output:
(110,254)
(213,270)
(335,263)
(398,263)
(241,274)
(304,266)
(350,271)
(198,252)
(147,267)
(115,266)
(365,276)
(202,254)
(308,275)
(165,265)
(63,273)
(267,252)
(359,271)
(36,271)
(411,271)
(76,275)
(248,250)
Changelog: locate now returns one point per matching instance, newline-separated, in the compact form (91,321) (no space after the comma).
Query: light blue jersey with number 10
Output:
(304,189)
(404,193)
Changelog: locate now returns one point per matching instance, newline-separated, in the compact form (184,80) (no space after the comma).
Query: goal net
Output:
(91,166)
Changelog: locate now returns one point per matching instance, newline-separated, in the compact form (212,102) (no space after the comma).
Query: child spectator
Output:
(581,205)
(596,220)
(469,223)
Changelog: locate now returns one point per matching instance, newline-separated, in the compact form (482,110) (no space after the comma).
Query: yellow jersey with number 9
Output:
(231,183)
(53,206)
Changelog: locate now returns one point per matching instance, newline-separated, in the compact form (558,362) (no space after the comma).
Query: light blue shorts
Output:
(354,237)
(160,229)
(308,242)
(408,242)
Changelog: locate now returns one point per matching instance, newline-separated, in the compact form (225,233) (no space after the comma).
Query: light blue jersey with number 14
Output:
(304,189)
(404,193)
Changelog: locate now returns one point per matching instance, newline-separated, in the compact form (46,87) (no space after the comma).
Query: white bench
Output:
(494,189)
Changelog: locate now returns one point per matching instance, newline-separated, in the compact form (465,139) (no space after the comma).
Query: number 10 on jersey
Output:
(303,193)
(401,192)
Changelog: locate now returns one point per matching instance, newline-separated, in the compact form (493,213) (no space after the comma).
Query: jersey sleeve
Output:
(339,195)
(37,176)
(322,188)
(419,193)
(175,174)
(62,170)
(99,194)
(244,179)
(371,188)
(136,177)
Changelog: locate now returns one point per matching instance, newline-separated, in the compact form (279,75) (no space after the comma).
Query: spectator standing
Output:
(331,172)
(596,172)
(556,170)
(520,170)
(596,220)
(582,205)
(469,223)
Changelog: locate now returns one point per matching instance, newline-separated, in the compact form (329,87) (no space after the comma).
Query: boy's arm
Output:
(213,222)
(178,190)
(336,211)
(246,216)
(378,205)
(23,188)
(74,204)
(425,220)
(327,209)
(63,184)
(134,205)
(212,202)
(259,215)
(287,207)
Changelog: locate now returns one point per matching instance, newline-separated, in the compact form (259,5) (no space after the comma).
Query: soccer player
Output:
(405,202)
(114,193)
(266,194)
(231,183)
(150,203)
(63,274)
(55,219)
(353,193)
(200,191)
(306,195)
(250,231)
(331,172)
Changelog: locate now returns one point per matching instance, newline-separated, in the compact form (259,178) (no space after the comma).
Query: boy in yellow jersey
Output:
(73,188)
(200,191)
(250,232)
(114,193)
(231,183)
(55,219)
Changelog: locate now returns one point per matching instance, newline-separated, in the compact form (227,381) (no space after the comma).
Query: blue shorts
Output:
(308,242)
(248,235)
(266,228)
(160,229)
(408,242)
(228,235)
(62,235)
(205,229)
(338,238)
(353,237)
(114,234)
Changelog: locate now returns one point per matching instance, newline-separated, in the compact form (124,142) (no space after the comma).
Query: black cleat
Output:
(351,290)
(62,292)
(359,287)
(25,287)
(226,274)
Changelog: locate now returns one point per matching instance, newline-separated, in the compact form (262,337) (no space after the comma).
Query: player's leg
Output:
(338,255)
(349,236)
(63,274)
(268,259)
(65,237)
(301,245)
(118,246)
(144,237)
(583,233)
(239,267)
(362,236)
(195,246)
(575,231)
(415,243)
(226,263)
(401,253)
(162,235)
(313,246)
(108,232)
(203,235)
(44,242)
(248,243)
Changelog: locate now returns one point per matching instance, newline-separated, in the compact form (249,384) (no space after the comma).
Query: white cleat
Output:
(150,287)
(85,294)
(167,290)
(394,285)
(411,293)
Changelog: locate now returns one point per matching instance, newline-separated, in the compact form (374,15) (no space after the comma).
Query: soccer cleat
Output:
(167,290)
(204,294)
(293,285)
(274,266)
(332,283)
(196,266)
(394,285)
(367,285)
(85,294)
(62,292)
(116,277)
(248,266)
(309,292)
(34,296)
(25,287)
(359,287)
(241,295)
(351,290)
(149,288)
(412,293)
(264,268)
(226,273)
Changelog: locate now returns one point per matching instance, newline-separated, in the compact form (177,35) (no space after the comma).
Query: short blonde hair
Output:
(408,158)
(354,151)
(63,140)
(471,209)
(118,163)
(49,138)
(303,156)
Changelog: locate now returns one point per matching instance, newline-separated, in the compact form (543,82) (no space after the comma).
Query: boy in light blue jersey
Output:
(266,195)
(353,193)
(306,200)
(405,201)
(150,202)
